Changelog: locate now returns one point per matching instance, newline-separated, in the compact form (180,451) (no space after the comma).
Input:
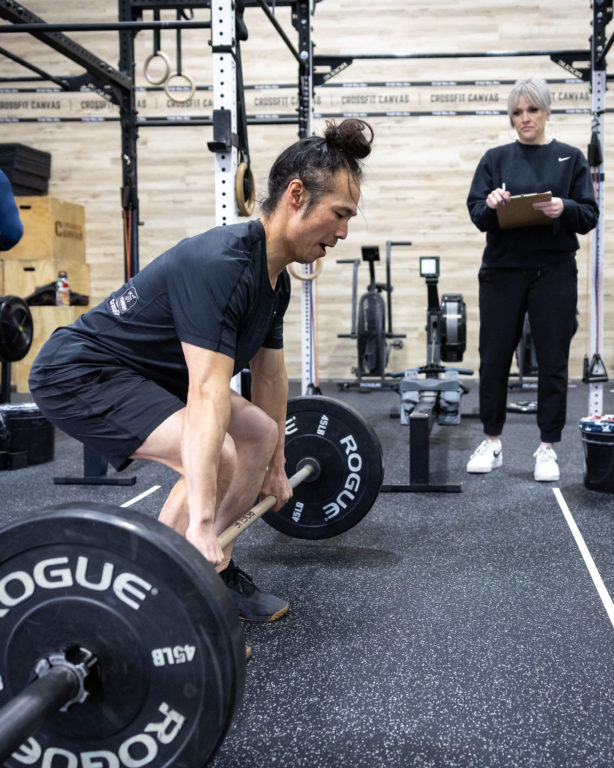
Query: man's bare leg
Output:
(243,461)
(247,449)
(255,438)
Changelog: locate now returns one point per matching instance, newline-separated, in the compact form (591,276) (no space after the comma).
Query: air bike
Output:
(433,391)
(372,324)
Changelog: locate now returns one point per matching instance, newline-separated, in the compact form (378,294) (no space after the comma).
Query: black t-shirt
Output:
(212,290)
(555,167)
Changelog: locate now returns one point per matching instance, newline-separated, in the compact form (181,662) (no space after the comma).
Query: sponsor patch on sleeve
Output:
(119,305)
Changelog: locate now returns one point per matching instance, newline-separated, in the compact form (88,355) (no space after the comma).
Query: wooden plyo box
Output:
(54,230)
(21,277)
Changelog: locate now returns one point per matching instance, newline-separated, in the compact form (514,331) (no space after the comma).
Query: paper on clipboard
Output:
(518,211)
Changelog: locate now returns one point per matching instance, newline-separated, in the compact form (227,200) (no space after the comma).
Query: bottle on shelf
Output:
(62,290)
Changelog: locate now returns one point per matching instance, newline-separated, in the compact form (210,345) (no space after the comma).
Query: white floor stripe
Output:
(129,503)
(590,563)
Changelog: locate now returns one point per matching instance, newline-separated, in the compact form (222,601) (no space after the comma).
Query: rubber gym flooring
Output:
(444,630)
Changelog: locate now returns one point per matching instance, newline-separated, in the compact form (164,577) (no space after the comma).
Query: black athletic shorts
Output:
(112,410)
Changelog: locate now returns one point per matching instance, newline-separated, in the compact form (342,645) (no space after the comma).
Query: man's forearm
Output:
(271,394)
(206,422)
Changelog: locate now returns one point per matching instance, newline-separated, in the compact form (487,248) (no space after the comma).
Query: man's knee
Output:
(269,437)
(263,430)
(228,456)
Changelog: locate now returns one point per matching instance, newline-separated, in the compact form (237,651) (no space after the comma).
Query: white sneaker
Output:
(546,466)
(487,456)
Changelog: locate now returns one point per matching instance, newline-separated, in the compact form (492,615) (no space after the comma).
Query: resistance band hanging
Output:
(307,273)
(594,370)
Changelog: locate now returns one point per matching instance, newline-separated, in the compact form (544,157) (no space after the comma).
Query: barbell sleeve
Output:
(25,713)
(231,533)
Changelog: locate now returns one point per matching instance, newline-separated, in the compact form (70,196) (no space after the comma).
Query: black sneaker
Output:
(252,604)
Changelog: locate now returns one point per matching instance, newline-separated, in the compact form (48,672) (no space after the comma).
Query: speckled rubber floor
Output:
(444,630)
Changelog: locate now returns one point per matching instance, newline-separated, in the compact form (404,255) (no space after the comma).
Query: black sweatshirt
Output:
(554,167)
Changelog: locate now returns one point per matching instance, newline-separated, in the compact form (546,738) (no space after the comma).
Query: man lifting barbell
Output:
(146,374)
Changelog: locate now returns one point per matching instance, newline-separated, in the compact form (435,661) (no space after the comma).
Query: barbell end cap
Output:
(316,468)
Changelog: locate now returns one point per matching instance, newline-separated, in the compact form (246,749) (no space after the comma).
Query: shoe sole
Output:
(282,612)
(484,471)
(546,479)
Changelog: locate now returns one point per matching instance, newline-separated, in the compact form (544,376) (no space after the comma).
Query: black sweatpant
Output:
(550,295)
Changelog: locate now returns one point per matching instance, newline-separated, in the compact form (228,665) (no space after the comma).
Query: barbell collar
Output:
(82,662)
(231,533)
(316,468)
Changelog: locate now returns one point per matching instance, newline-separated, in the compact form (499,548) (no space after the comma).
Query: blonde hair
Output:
(535,91)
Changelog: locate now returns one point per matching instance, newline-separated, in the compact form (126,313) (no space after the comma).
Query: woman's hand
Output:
(497,197)
(552,208)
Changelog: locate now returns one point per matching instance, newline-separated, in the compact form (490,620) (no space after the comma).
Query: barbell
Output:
(119,644)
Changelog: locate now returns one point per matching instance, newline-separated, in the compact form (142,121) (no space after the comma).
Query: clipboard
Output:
(519,211)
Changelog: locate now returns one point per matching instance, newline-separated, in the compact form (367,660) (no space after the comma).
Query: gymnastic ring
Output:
(190,92)
(245,176)
(167,67)
(317,268)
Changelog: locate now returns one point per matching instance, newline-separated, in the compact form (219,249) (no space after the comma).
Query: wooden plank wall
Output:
(416,180)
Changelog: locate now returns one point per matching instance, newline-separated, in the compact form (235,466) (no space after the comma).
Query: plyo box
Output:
(21,277)
(54,230)
(44,322)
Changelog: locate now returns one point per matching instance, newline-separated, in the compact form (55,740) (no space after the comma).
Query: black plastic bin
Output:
(597,434)
(26,437)
(27,169)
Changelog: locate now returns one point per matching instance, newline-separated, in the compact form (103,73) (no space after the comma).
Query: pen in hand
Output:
(503,188)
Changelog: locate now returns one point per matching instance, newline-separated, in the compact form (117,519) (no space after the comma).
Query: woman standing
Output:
(529,269)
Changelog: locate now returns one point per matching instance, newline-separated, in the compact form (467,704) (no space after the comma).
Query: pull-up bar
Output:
(111,26)
(339,57)
(340,61)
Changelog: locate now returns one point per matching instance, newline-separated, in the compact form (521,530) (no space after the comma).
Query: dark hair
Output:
(315,160)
